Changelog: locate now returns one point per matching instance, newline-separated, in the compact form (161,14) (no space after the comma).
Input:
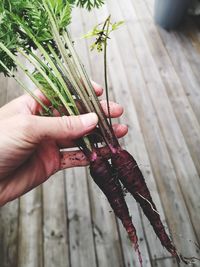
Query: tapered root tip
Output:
(134,240)
(175,254)
(139,256)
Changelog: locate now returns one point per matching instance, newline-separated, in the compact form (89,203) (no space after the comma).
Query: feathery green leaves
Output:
(28,26)
(89,4)
(101,33)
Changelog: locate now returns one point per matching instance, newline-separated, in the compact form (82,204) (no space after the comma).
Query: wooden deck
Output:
(155,75)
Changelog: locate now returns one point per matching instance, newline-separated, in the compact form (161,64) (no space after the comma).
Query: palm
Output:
(29,162)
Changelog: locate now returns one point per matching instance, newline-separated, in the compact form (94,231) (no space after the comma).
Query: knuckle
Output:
(68,124)
(25,123)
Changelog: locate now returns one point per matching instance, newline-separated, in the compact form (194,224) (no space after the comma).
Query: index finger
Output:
(97,88)
(26,104)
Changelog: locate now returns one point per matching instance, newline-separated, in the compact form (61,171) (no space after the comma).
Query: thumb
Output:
(69,127)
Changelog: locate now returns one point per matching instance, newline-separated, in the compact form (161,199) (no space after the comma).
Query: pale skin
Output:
(32,146)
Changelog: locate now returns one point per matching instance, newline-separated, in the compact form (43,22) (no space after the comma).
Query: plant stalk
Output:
(26,89)
(51,84)
(106,69)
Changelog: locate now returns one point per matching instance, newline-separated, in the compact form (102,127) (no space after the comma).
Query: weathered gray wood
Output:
(189,37)
(134,141)
(107,241)
(3,90)
(130,257)
(81,243)
(181,106)
(30,251)
(165,263)
(187,174)
(9,234)
(120,84)
(30,239)
(56,250)
(13,89)
(154,74)
(9,213)
(142,104)
(183,68)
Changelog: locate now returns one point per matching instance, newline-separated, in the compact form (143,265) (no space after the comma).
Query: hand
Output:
(31,145)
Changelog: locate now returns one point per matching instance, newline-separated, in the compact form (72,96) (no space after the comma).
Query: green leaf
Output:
(93,33)
(101,33)
(89,4)
(116,25)
(64,16)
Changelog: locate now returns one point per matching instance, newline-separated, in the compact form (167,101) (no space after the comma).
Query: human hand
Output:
(31,145)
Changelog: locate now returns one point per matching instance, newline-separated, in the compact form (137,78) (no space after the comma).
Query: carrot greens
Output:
(37,30)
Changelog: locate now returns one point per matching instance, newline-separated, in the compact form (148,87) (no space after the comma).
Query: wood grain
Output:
(55,234)
(154,74)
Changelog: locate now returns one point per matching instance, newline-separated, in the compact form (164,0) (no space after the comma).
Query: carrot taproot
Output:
(105,177)
(133,180)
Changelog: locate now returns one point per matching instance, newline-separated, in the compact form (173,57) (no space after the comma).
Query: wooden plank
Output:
(136,147)
(30,239)
(6,254)
(81,243)
(189,37)
(181,106)
(156,145)
(150,4)
(165,263)
(134,141)
(9,213)
(130,258)
(3,90)
(135,144)
(182,161)
(13,89)
(8,234)
(56,249)
(30,251)
(181,64)
(107,241)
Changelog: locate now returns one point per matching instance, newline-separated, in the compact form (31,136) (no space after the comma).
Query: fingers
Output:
(35,107)
(33,172)
(67,127)
(27,105)
(120,131)
(24,104)
(97,88)
(71,159)
(116,110)
(32,105)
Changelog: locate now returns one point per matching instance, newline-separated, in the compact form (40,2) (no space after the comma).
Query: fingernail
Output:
(96,84)
(98,88)
(89,120)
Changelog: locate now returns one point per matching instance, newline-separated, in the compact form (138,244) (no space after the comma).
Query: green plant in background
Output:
(38,31)
(27,26)
(89,4)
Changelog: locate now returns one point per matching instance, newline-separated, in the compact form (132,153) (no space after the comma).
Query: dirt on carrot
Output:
(105,177)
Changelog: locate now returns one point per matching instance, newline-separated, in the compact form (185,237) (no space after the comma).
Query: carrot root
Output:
(133,180)
(104,176)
